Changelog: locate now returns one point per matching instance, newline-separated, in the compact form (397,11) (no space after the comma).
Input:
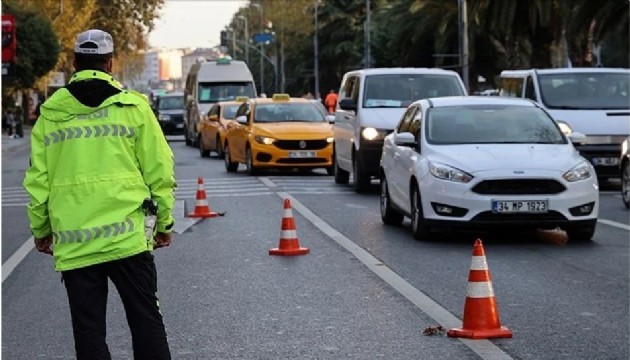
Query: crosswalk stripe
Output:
(16,196)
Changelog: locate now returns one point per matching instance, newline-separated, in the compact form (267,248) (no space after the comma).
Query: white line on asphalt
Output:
(614,224)
(16,258)
(484,348)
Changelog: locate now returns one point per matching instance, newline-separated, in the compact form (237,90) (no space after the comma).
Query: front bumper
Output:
(474,210)
(270,156)
(605,158)
(172,127)
(369,156)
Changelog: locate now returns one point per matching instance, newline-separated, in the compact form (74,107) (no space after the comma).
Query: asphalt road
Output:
(366,291)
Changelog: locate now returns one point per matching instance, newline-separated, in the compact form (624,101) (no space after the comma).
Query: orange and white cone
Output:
(202,209)
(289,244)
(481,316)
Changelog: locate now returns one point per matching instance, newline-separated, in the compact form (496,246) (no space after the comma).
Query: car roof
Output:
(506,73)
(272,101)
(477,100)
(402,70)
(172,94)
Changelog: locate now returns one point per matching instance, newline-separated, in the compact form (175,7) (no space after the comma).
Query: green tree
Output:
(37,47)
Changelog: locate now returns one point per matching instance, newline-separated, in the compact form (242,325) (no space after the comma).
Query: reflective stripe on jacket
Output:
(91,169)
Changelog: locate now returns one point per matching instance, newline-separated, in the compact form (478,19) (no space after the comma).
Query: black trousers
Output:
(135,279)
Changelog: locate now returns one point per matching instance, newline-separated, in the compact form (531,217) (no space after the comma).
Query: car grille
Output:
(490,217)
(295,144)
(519,187)
(177,118)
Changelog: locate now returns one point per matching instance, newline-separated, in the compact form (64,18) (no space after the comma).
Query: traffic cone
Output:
(481,316)
(289,244)
(202,209)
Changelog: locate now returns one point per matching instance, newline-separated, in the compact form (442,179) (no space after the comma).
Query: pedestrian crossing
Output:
(226,187)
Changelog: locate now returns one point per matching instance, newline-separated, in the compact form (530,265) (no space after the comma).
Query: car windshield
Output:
(585,90)
(229,111)
(224,91)
(171,103)
(400,90)
(287,112)
(491,124)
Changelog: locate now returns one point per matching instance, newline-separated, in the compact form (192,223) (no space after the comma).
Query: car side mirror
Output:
(405,139)
(347,104)
(330,118)
(241,119)
(577,138)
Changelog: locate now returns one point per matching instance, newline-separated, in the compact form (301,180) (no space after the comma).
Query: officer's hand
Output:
(162,240)
(43,244)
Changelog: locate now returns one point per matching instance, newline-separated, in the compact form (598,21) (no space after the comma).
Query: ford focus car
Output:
(485,163)
(212,127)
(278,133)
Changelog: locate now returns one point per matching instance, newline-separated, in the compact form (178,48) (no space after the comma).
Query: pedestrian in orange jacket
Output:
(331,101)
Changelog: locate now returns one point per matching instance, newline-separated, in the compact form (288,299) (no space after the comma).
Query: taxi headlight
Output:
(164,117)
(371,134)
(446,172)
(581,171)
(565,128)
(330,139)
(264,140)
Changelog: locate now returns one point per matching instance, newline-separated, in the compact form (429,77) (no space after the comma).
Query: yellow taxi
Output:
(212,126)
(280,132)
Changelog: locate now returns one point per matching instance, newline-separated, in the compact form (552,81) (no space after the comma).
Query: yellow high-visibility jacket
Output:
(91,168)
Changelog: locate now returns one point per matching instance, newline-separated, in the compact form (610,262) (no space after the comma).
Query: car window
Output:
(243,110)
(530,92)
(403,125)
(416,123)
(491,124)
(224,91)
(214,110)
(346,87)
(229,111)
(585,90)
(171,103)
(287,112)
(400,90)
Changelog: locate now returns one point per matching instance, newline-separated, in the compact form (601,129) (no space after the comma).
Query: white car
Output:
(484,162)
(624,162)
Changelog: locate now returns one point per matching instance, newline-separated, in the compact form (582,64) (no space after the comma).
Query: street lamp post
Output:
(463,42)
(316,53)
(367,35)
(246,38)
(262,69)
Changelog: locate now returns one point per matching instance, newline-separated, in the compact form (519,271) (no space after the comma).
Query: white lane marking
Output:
(484,348)
(614,224)
(17,257)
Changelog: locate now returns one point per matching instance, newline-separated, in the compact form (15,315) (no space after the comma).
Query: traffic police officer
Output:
(97,152)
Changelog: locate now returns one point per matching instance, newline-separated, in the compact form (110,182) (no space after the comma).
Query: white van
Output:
(370,105)
(209,82)
(589,101)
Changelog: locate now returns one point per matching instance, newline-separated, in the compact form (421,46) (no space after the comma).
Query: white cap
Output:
(94,41)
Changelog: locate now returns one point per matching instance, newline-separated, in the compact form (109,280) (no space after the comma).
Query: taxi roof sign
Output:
(241,98)
(280,97)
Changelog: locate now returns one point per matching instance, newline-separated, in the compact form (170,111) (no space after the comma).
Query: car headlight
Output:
(372,134)
(581,171)
(264,140)
(164,117)
(446,172)
(330,139)
(565,128)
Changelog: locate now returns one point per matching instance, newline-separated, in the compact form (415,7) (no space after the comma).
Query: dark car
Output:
(170,113)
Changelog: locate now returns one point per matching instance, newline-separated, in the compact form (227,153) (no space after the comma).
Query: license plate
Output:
(302,154)
(520,206)
(605,161)
(180,126)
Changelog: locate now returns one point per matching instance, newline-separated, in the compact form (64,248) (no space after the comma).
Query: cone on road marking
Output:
(481,316)
(202,209)
(289,244)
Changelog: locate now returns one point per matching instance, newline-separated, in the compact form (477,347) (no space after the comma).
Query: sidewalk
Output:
(10,145)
